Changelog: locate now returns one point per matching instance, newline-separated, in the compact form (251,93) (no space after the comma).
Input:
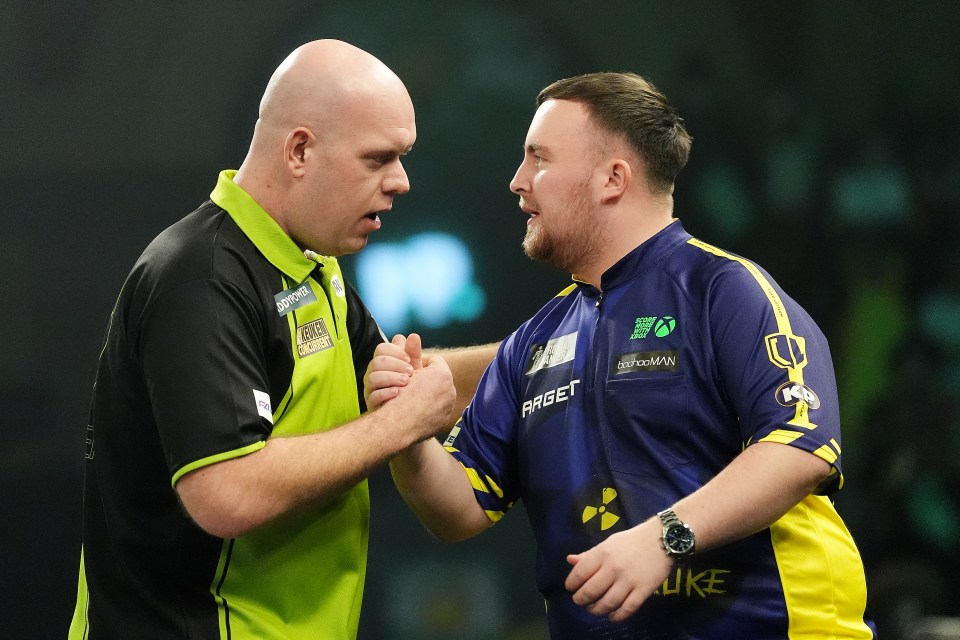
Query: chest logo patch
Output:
(647,361)
(294,298)
(313,337)
(558,395)
(553,352)
(607,518)
(662,327)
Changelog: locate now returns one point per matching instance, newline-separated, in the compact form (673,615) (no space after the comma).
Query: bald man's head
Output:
(318,80)
(325,156)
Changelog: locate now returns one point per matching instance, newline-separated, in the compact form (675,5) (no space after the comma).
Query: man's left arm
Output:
(763,341)
(758,487)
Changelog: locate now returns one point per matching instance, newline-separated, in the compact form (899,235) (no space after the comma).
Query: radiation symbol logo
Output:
(607,518)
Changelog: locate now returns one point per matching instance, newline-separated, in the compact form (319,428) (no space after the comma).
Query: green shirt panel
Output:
(301,576)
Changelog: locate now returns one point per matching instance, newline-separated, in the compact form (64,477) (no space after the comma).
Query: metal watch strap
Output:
(668,517)
(670,521)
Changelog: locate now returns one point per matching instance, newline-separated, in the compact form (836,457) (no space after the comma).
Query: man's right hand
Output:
(388,372)
(423,384)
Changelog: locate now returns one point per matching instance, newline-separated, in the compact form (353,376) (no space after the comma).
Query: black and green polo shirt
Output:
(224,335)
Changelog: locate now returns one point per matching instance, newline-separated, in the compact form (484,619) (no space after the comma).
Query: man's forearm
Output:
(751,493)
(467,365)
(233,497)
(436,488)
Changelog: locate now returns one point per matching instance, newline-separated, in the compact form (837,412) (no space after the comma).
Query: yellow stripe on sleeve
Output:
(782,436)
(494,516)
(826,453)
(478,483)
(496,489)
(784,349)
(475,480)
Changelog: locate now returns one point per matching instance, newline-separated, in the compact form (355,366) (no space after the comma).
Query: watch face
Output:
(678,539)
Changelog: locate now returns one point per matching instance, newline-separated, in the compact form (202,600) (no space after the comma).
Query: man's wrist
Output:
(676,537)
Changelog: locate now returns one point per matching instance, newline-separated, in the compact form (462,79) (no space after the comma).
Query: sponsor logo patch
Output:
(786,350)
(547,398)
(552,353)
(263,404)
(662,327)
(647,361)
(294,298)
(337,285)
(313,337)
(452,437)
(792,393)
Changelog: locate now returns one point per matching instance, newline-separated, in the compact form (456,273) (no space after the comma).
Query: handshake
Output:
(418,386)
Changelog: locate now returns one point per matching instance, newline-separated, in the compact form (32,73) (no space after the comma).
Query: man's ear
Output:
(296,148)
(618,175)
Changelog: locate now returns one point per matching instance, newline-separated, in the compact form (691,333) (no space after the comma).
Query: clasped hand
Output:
(400,367)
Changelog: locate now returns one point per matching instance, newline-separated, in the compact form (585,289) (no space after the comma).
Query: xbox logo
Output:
(664,326)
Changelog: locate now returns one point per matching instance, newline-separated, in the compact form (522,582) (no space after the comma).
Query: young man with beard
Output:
(670,420)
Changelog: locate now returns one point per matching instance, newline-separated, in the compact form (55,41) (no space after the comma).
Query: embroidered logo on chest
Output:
(313,337)
(662,327)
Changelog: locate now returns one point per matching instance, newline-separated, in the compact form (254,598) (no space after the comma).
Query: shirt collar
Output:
(258,225)
(645,256)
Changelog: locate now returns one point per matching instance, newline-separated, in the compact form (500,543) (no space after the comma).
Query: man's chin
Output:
(548,253)
(355,246)
(536,251)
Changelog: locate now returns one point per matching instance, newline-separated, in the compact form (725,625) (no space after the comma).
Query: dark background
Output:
(826,149)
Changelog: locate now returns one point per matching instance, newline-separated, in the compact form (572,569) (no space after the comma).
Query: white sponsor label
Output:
(299,296)
(337,285)
(555,351)
(452,437)
(560,394)
(263,404)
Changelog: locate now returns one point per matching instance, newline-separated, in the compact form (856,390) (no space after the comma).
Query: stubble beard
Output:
(573,243)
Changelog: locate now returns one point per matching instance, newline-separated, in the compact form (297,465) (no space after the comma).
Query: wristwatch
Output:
(677,538)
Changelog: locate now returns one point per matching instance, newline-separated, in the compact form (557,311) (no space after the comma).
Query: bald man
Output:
(225,492)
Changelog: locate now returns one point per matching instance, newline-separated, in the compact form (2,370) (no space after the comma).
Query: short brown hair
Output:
(629,106)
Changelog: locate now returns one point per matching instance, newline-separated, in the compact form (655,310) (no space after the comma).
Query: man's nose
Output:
(397,181)
(519,183)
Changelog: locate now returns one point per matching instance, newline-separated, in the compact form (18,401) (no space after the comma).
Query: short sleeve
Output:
(775,366)
(202,352)
(484,440)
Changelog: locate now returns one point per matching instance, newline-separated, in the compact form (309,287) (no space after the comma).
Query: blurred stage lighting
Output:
(423,282)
